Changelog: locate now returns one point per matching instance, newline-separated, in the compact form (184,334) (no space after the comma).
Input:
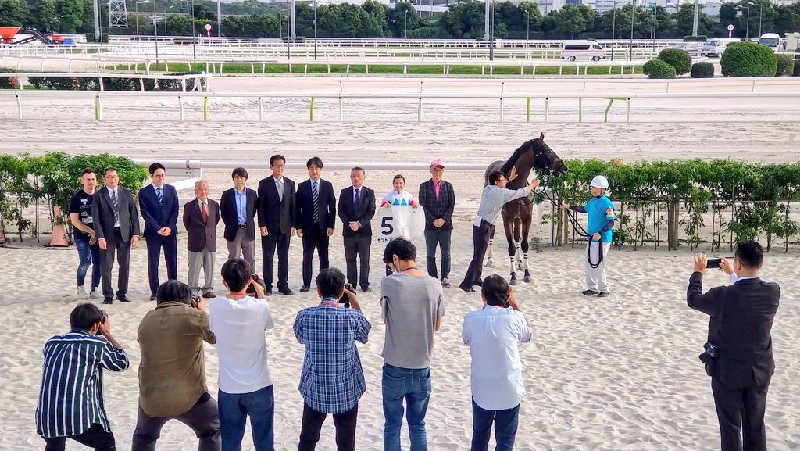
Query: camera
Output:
(713,262)
(710,353)
(251,289)
(345,299)
(102,321)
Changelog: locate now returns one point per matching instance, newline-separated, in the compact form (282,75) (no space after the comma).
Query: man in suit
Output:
(438,200)
(158,203)
(200,217)
(356,209)
(238,208)
(276,220)
(738,353)
(315,213)
(116,222)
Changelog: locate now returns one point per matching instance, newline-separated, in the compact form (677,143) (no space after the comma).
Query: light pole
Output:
(613,26)
(760,12)
(528,28)
(315,29)
(747,23)
(155,20)
(491,31)
(219,18)
(194,37)
(633,19)
(405,34)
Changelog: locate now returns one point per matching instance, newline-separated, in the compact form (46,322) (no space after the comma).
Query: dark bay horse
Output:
(517,214)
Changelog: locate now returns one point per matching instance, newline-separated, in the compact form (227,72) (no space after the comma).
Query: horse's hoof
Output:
(513,279)
(527,278)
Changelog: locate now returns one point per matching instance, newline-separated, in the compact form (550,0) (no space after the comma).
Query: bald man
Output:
(200,217)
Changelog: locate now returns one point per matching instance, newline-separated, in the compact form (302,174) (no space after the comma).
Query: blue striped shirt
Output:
(332,380)
(71,397)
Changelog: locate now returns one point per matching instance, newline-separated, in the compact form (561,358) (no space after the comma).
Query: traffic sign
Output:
(730,27)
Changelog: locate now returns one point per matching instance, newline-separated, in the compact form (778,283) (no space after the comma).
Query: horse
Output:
(517,214)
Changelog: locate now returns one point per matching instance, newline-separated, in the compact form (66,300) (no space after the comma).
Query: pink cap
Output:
(437,162)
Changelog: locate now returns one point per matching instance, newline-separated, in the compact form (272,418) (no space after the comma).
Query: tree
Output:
(71,14)
(179,24)
(14,13)
(685,20)
(402,17)
(574,19)
(46,15)
(464,20)
(203,12)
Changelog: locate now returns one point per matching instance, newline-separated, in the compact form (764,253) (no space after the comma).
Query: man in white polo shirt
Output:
(493,334)
(239,322)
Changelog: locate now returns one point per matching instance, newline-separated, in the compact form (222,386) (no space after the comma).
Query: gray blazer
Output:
(103,214)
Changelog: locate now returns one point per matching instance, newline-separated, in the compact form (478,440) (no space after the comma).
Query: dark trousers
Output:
(317,238)
(154,244)
(480,242)
(122,250)
(95,437)
(741,416)
(203,418)
(269,243)
(345,424)
(505,428)
(89,255)
(441,238)
(357,246)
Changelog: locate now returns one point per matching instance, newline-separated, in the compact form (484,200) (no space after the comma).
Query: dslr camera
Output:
(345,299)
(710,353)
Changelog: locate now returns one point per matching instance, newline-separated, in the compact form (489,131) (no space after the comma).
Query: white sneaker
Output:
(93,294)
(81,291)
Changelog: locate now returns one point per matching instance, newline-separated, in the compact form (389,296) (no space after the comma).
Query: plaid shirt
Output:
(332,380)
(437,208)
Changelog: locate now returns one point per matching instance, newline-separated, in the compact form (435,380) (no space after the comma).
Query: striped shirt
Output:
(71,397)
(332,380)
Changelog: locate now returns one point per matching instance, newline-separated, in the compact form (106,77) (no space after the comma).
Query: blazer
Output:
(740,324)
(363,212)
(274,213)
(157,216)
(437,208)
(304,205)
(230,216)
(103,214)
(202,235)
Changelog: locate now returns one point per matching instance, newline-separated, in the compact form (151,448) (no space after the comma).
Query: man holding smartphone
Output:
(245,385)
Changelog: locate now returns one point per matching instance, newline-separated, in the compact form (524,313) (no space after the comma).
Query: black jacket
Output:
(304,205)
(273,213)
(230,215)
(441,208)
(202,235)
(740,324)
(363,212)
(103,214)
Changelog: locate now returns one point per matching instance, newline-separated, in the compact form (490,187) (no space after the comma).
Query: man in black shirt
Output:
(738,353)
(80,215)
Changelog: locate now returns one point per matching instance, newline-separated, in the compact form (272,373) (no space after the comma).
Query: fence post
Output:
(753,89)
(311,110)
(180,102)
(183,84)
(141,84)
(629,111)
(502,87)
(546,108)
(528,110)
(205,108)
(19,107)
(580,109)
(341,112)
(98,108)
(260,109)
(419,105)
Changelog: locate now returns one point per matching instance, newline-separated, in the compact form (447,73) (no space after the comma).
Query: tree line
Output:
(252,19)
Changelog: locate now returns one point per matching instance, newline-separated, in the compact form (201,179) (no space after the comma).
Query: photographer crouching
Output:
(738,354)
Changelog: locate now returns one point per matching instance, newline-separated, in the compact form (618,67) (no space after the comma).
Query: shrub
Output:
(702,70)
(785,65)
(7,82)
(677,58)
(657,68)
(796,71)
(748,59)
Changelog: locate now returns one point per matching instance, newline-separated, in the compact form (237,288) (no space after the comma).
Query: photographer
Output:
(332,380)
(239,322)
(738,353)
(172,374)
(76,360)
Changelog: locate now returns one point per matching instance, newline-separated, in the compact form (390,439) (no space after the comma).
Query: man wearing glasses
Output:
(493,197)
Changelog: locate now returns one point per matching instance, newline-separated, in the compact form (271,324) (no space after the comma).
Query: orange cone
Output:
(59,238)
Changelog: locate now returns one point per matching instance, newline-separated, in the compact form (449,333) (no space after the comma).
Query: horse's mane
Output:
(514,157)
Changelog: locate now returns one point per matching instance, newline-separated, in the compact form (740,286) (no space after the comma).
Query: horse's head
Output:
(544,159)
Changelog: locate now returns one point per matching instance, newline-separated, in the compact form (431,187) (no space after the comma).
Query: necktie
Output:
(358,196)
(115,205)
(160,195)
(315,194)
(204,212)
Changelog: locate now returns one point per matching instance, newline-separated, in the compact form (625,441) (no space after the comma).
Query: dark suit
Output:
(357,244)
(277,215)
(118,239)
(740,325)
(202,244)
(157,215)
(315,234)
(240,237)
(437,208)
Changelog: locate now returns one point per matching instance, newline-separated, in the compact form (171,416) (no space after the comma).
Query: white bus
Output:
(582,51)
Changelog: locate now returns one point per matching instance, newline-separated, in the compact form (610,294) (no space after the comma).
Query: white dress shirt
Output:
(113,193)
(279,187)
(493,334)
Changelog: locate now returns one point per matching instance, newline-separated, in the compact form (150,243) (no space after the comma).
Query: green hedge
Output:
(785,65)
(52,179)
(657,68)
(796,71)
(6,82)
(677,58)
(113,83)
(748,59)
(702,70)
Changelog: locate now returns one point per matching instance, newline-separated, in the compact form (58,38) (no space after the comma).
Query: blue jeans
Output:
(234,408)
(88,254)
(413,385)
(505,428)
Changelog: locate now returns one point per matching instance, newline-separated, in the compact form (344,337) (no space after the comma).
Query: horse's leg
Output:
(508,228)
(490,251)
(518,238)
(526,227)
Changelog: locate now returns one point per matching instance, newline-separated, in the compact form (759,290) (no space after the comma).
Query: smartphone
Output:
(713,262)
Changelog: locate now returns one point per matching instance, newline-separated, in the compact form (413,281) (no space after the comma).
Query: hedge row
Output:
(113,84)
(748,59)
(52,179)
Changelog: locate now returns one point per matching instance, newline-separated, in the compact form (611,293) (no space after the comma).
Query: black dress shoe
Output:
(123,299)
(467,289)
(304,289)
(286,291)
(268,292)
(152,297)
(589,293)
(108,301)
(366,289)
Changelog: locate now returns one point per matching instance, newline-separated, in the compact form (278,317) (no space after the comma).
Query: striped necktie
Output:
(115,205)
(315,194)
(160,195)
